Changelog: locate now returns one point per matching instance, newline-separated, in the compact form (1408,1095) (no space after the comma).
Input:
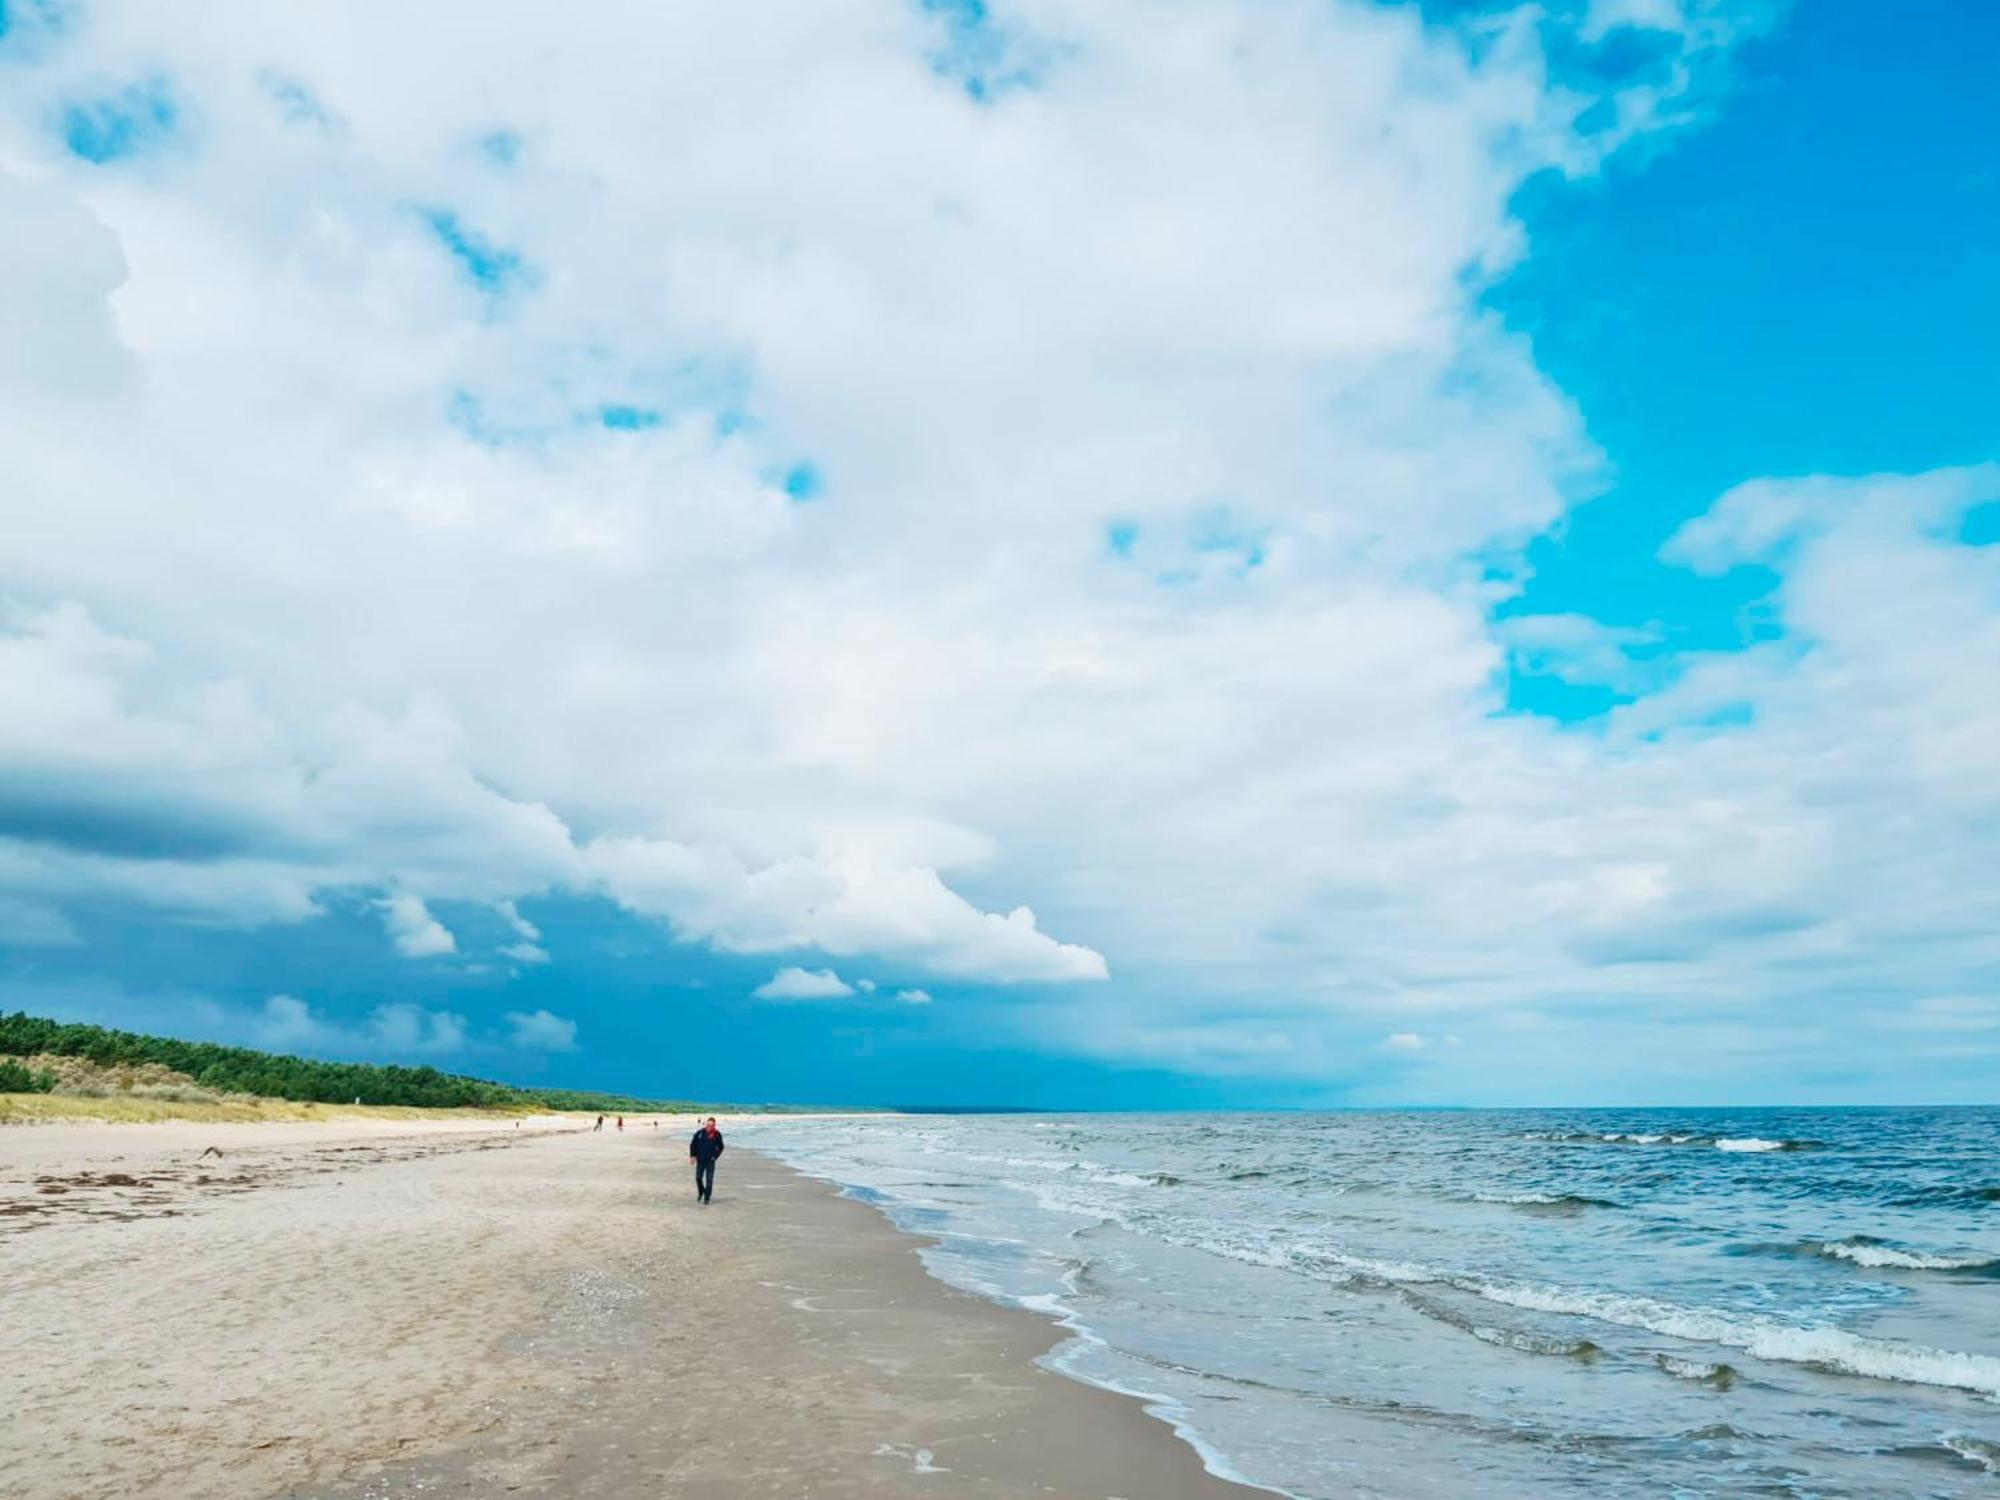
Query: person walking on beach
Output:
(702,1151)
(600,1123)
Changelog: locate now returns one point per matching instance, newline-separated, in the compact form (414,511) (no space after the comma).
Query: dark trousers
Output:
(704,1179)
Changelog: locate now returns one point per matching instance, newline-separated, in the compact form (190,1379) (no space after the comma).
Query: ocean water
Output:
(1644,1302)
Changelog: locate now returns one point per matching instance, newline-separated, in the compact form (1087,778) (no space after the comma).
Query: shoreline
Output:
(378,1309)
(1069,1330)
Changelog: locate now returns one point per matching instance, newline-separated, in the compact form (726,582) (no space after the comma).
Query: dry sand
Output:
(376,1309)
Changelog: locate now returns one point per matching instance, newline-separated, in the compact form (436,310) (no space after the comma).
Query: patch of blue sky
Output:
(1219,538)
(596,387)
(134,120)
(803,482)
(502,147)
(22,21)
(1578,51)
(589,389)
(1808,283)
(296,102)
(1980,526)
(1578,705)
(498,271)
(621,418)
(977,54)
(1216,545)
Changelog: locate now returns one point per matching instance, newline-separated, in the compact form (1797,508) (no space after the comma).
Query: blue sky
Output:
(1799,286)
(1205,555)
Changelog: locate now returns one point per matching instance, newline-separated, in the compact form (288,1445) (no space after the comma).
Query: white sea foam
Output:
(1615,1137)
(1543,1200)
(1526,1342)
(1974,1450)
(922,1460)
(1115,1178)
(1697,1370)
(1749,1143)
(1881,1256)
(1827,1348)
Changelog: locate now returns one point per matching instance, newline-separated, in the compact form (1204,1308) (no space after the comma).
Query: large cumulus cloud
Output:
(1021,496)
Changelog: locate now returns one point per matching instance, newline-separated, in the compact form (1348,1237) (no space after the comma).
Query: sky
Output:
(1157,554)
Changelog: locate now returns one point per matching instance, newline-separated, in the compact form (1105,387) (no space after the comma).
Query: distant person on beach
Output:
(600,1123)
(702,1151)
(621,1124)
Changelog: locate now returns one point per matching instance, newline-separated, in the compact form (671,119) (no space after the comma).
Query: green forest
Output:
(243,1070)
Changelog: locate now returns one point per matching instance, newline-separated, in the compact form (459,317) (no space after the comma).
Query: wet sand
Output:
(438,1308)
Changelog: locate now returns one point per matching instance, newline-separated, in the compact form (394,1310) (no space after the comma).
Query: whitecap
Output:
(1557,1202)
(1974,1450)
(1701,1372)
(1877,1257)
(1827,1348)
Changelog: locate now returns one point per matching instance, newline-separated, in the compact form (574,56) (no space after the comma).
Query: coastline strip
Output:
(538,1311)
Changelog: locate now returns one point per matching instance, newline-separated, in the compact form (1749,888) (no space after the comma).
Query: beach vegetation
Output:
(17,1078)
(127,1064)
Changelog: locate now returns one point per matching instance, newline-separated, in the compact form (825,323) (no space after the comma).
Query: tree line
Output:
(244,1070)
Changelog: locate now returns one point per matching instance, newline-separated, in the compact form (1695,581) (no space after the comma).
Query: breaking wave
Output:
(1876,1255)
(1974,1450)
(1701,1372)
(1821,1348)
(1747,1143)
(1554,1203)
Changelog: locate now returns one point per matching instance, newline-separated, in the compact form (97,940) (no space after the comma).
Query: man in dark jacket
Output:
(702,1151)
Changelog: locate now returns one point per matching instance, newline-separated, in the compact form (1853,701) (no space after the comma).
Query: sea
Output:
(1675,1302)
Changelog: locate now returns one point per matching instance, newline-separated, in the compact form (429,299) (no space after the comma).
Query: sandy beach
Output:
(378,1309)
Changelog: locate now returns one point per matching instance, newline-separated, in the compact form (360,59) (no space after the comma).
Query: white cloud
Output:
(404,1030)
(527,931)
(1149,635)
(529,949)
(288,1024)
(840,902)
(541,1031)
(59,265)
(1577,649)
(914,997)
(416,933)
(1404,1041)
(803,984)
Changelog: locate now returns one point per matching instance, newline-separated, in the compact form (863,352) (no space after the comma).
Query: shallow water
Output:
(1646,1302)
